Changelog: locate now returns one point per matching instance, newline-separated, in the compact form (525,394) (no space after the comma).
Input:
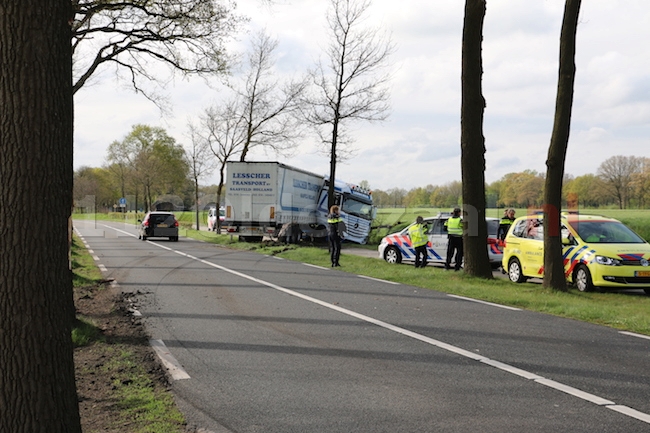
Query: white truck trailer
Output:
(262,197)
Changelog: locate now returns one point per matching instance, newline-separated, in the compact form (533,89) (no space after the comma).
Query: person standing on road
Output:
(454,227)
(419,240)
(335,229)
(506,222)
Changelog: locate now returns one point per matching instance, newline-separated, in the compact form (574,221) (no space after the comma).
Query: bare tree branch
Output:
(188,36)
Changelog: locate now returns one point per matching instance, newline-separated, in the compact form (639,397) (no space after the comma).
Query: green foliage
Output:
(84,271)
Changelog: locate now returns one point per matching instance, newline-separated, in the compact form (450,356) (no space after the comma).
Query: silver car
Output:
(158,225)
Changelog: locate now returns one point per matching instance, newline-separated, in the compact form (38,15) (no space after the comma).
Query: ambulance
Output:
(598,252)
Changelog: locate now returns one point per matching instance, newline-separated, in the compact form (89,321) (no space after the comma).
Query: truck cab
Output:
(357,210)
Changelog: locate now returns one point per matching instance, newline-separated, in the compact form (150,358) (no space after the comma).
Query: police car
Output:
(397,247)
(598,252)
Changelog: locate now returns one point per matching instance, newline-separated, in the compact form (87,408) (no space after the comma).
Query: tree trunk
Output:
(196,201)
(37,383)
(472,143)
(331,195)
(553,261)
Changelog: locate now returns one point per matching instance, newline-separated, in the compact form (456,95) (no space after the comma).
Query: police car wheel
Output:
(582,279)
(514,271)
(392,255)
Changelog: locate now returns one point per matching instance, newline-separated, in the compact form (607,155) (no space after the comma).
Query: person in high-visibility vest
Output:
(454,227)
(335,229)
(419,240)
(506,222)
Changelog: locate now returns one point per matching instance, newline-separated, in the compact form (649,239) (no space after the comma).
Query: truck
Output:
(263,198)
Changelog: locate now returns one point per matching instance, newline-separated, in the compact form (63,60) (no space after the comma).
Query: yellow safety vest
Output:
(417,235)
(454,226)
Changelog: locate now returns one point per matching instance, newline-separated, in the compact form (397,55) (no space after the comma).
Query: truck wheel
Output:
(392,255)
(250,238)
(514,271)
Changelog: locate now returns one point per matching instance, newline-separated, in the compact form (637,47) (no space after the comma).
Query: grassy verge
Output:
(133,401)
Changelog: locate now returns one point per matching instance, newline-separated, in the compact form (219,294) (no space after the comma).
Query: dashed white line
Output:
(485,302)
(630,412)
(314,266)
(632,334)
(377,279)
(168,360)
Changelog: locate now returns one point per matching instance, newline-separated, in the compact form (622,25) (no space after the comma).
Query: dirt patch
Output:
(119,332)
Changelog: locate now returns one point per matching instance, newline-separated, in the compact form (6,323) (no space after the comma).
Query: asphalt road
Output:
(269,345)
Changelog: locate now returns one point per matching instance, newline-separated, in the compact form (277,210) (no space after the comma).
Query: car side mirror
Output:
(566,241)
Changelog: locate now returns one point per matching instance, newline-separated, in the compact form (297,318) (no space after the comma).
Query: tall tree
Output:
(157,163)
(223,129)
(267,106)
(617,173)
(353,85)
(553,262)
(201,162)
(37,385)
(188,36)
(472,142)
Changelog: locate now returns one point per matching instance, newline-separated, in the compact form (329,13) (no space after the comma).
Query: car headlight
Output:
(602,260)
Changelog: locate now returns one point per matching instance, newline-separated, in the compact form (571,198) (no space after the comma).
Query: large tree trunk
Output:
(553,261)
(472,143)
(37,387)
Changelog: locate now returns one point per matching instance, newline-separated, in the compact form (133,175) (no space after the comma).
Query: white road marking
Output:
(314,266)
(377,279)
(102,268)
(630,412)
(485,302)
(625,410)
(632,334)
(168,360)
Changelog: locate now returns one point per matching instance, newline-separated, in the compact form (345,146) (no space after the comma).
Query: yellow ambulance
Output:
(598,252)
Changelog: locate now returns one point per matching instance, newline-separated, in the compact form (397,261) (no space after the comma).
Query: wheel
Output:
(392,255)
(514,271)
(582,279)
(250,238)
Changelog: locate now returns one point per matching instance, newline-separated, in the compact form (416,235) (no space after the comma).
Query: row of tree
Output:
(622,181)
(148,164)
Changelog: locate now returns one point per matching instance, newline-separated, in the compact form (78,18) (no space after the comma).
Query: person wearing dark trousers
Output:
(506,222)
(335,229)
(455,240)
(418,234)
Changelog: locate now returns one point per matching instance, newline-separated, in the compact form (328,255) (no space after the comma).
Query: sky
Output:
(419,143)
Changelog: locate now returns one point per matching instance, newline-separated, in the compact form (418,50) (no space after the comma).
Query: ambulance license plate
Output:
(642,274)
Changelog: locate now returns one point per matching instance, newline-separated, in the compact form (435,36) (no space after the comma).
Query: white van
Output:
(212,217)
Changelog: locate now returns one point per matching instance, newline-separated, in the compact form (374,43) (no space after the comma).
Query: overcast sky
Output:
(419,143)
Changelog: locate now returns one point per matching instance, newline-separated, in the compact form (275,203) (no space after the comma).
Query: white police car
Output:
(397,247)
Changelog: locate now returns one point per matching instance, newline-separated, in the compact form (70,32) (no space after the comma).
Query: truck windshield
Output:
(358,208)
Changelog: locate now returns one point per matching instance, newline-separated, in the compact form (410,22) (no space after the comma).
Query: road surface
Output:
(260,344)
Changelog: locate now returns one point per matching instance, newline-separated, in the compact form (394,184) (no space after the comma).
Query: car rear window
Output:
(161,218)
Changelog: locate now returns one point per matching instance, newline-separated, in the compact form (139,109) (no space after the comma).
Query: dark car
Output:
(159,225)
